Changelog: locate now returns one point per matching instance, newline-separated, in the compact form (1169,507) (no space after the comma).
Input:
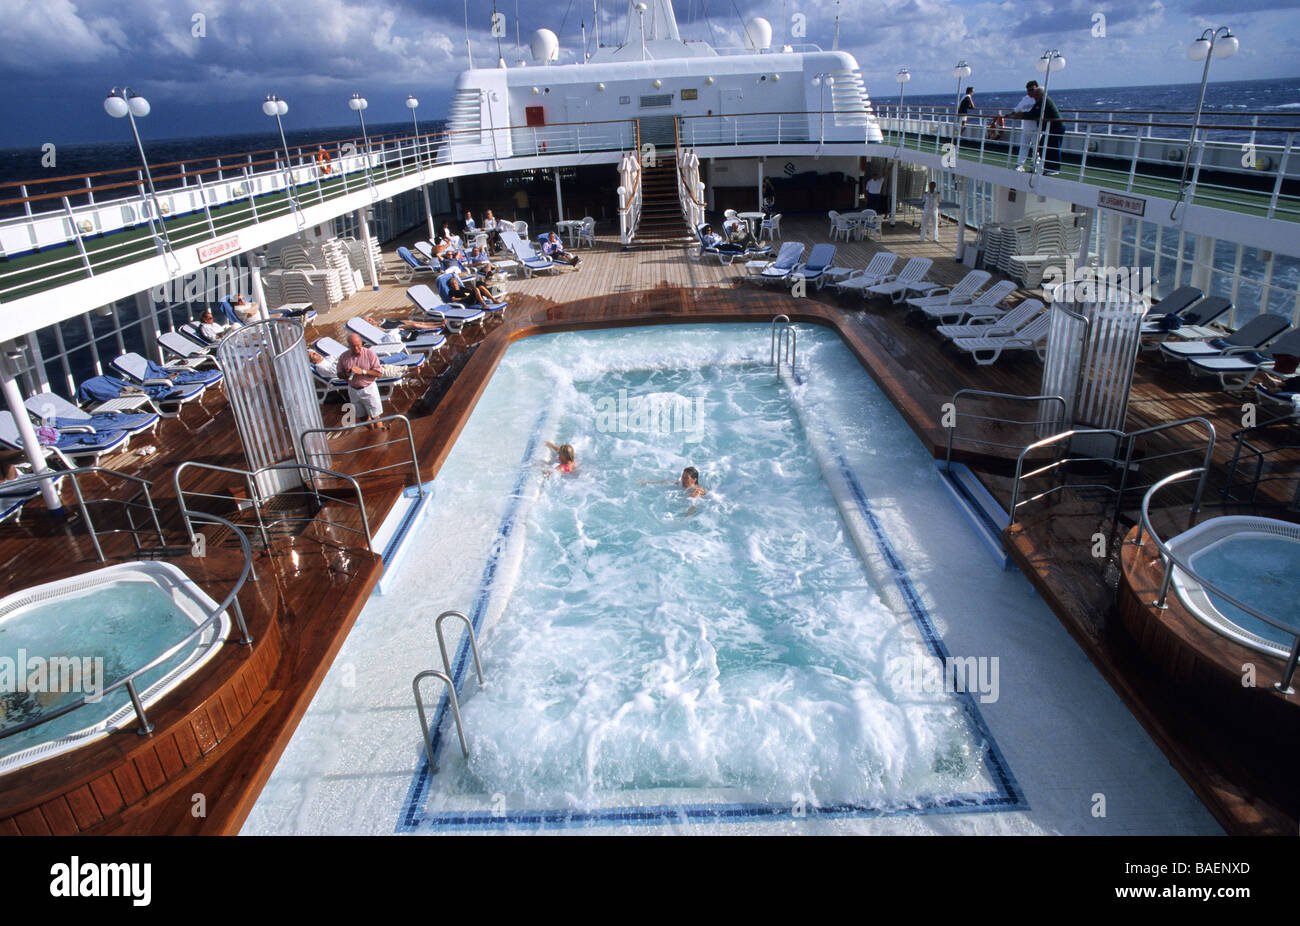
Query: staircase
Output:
(661,209)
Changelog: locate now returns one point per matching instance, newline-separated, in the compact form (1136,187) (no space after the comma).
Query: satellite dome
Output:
(545,46)
(758,34)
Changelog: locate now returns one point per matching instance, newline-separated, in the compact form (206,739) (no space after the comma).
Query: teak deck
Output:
(321,579)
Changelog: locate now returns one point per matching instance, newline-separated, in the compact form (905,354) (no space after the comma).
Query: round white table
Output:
(754,220)
(569,227)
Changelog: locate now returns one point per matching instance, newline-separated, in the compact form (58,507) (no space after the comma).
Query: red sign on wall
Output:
(219,248)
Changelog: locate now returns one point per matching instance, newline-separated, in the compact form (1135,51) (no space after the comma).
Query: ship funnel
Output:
(545,46)
(758,34)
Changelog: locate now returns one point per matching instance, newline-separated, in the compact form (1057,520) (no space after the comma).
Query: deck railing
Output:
(329,454)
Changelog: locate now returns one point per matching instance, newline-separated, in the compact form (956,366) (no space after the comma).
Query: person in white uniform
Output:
(930,212)
(1028,130)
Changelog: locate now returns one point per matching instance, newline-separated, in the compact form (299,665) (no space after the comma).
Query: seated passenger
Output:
(210,328)
(554,249)
(717,242)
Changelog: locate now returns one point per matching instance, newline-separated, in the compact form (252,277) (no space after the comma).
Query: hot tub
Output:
(68,639)
(1256,561)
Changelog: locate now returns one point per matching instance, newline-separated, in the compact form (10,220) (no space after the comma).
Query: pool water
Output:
(734,641)
(109,630)
(1259,570)
(723,664)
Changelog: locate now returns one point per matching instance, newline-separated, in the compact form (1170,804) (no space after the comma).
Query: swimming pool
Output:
(65,640)
(758,658)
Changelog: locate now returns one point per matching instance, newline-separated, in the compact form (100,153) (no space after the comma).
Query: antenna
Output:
(469,52)
(595,18)
(785,26)
(584,42)
(835,42)
(495,29)
(519,46)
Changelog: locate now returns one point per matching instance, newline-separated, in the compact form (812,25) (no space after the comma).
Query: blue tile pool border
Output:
(1007,797)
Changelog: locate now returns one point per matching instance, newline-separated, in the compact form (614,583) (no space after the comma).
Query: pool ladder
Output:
(445,677)
(783,342)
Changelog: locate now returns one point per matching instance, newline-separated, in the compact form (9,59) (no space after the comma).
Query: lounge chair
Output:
(140,369)
(425,250)
(959,294)
(1236,367)
(389,354)
(896,287)
(1174,304)
(877,269)
(1285,393)
(987,304)
(1190,325)
(16,493)
(72,443)
(996,325)
(57,411)
(424,342)
(786,260)
(328,384)
(184,387)
(182,348)
(987,349)
(812,270)
(431,306)
(444,292)
(1255,333)
(102,389)
(413,264)
(727,256)
(524,253)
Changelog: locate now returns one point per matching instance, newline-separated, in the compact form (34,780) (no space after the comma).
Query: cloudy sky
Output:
(208,75)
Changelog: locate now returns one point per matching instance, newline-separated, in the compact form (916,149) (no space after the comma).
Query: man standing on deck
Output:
(359,365)
(1054,125)
(1028,133)
(966,105)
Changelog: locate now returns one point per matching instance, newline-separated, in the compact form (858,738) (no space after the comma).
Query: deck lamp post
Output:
(123,102)
(411,103)
(960,71)
(1049,62)
(902,76)
(822,80)
(1213,43)
(358,105)
(275,107)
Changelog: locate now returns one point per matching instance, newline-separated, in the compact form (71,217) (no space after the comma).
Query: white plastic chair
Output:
(772,227)
(587,232)
(521,229)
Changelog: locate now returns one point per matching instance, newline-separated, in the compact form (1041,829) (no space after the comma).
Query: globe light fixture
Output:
(1212,43)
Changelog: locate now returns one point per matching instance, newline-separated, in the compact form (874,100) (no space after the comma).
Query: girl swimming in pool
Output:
(568,464)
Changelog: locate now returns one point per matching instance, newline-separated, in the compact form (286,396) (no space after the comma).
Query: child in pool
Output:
(568,464)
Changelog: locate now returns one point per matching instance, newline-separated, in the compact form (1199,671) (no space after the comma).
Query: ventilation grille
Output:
(465,118)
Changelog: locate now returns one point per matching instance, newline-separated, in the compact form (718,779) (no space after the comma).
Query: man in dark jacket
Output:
(1054,125)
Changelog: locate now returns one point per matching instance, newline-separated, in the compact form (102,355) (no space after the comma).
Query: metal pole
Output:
(23,421)
(1196,121)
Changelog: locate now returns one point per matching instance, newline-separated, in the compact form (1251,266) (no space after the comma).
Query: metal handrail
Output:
(410,442)
(36,479)
(256,500)
(442,642)
(1169,560)
(231,602)
(1126,439)
(424,720)
(781,346)
(993,395)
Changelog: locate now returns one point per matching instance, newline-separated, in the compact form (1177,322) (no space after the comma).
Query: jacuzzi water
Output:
(746,660)
(108,624)
(1259,570)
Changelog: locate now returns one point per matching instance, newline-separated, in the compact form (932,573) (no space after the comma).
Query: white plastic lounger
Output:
(181,347)
(959,294)
(1004,323)
(1255,333)
(787,258)
(987,350)
(48,406)
(877,269)
(186,385)
(986,305)
(427,341)
(427,301)
(912,272)
(73,443)
(395,357)
(526,255)
(811,270)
